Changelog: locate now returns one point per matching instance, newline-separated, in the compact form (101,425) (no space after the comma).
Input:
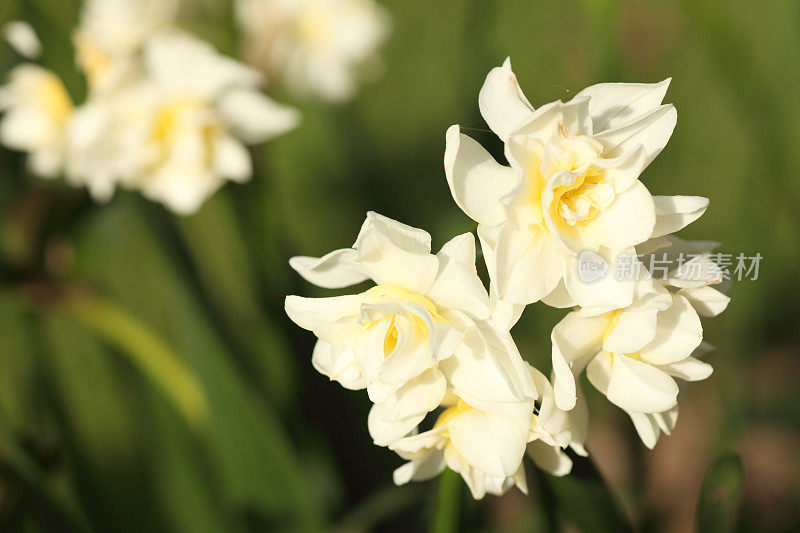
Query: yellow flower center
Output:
(174,118)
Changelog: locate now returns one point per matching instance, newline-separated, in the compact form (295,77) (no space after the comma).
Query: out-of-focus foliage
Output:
(245,436)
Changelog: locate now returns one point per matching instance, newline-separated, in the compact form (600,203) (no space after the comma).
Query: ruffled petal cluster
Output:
(432,346)
(318,48)
(422,341)
(166,114)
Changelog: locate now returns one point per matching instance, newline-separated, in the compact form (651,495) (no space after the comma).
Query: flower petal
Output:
(628,221)
(334,270)
(457,285)
(612,105)
(477,182)
(488,442)
(396,254)
(676,212)
(679,332)
(502,104)
(576,339)
(633,385)
(322,315)
(527,265)
(254,117)
(707,301)
(652,131)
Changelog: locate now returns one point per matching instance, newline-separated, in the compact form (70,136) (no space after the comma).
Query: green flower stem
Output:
(448,500)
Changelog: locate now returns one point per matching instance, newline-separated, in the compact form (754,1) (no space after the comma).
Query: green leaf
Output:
(146,350)
(720,494)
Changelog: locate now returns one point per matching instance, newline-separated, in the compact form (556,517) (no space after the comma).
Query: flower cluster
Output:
(165,114)
(432,346)
(319,48)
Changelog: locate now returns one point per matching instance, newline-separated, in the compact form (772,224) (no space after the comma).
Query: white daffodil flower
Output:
(36,109)
(487,446)
(484,447)
(111,35)
(422,330)
(572,185)
(318,47)
(180,132)
(633,356)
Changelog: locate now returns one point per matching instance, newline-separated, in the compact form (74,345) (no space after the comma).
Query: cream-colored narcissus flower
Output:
(487,447)
(111,34)
(180,132)
(318,48)
(424,329)
(633,356)
(572,185)
(37,109)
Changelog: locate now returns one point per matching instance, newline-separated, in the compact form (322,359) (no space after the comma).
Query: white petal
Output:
(647,428)
(502,104)
(633,329)
(426,467)
(383,431)
(477,182)
(254,117)
(396,254)
(489,443)
(631,384)
(528,265)
(676,212)
(707,301)
(339,365)
(322,315)
(615,104)
(457,285)
(575,340)
(628,221)
(678,333)
(21,36)
(550,458)
(607,292)
(652,131)
(231,159)
(689,369)
(332,271)
(486,370)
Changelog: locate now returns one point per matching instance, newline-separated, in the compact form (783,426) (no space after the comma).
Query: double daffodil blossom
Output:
(633,356)
(487,446)
(37,110)
(180,132)
(319,48)
(572,185)
(424,329)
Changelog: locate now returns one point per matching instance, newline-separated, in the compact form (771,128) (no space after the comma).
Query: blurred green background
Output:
(149,380)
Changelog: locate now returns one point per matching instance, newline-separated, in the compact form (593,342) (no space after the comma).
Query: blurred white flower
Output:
(178,133)
(572,185)
(423,330)
(111,34)
(36,109)
(22,38)
(318,48)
